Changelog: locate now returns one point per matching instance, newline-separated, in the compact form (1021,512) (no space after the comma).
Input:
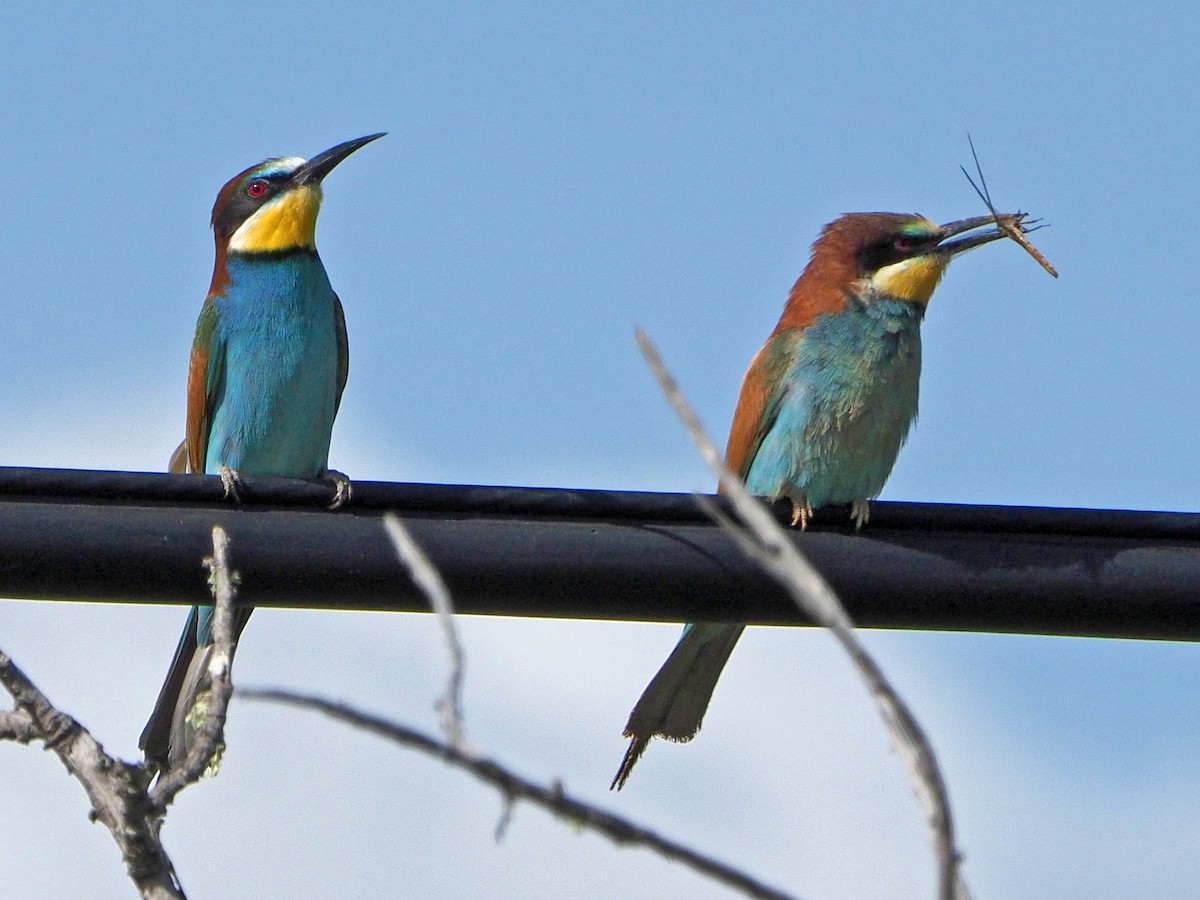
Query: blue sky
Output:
(555,175)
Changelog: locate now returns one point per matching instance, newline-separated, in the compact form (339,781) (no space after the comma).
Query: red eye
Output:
(256,188)
(904,245)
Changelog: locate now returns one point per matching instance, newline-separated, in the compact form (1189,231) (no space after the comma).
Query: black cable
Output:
(139,537)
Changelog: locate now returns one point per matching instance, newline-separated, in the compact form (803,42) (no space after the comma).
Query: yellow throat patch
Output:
(913,279)
(287,221)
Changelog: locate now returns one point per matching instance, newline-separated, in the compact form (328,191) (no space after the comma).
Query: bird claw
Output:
(342,489)
(801,511)
(230,480)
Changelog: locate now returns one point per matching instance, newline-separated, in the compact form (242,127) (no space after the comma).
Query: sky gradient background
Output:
(555,175)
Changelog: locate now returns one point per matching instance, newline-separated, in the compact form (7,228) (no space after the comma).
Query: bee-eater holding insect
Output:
(268,366)
(824,408)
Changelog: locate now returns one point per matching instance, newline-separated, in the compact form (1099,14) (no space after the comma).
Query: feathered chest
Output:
(843,402)
(866,357)
(278,307)
(276,331)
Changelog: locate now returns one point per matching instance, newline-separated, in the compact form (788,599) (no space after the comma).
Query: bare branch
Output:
(210,737)
(458,752)
(120,794)
(116,789)
(514,788)
(18,726)
(764,540)
(429,580)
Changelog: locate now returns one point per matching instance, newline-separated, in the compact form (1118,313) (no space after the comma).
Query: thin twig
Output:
(210,737)
(430,582)
(1010,225)
(514,788)
(458,752)
(764,540)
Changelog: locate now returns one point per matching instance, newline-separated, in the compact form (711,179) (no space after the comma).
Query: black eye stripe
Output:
(893,249)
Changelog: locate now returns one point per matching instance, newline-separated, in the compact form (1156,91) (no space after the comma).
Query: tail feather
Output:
(156,736)
(674,702)
(168,734)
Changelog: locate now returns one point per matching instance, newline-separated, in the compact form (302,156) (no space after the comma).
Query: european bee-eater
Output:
(824,408)
(268,366)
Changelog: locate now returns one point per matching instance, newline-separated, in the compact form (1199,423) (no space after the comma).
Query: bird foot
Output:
(801,511)
(860,512)
(231,480)
(342,489)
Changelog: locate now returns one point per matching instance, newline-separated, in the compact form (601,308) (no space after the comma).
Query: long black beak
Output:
(952,248)
(323,163)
